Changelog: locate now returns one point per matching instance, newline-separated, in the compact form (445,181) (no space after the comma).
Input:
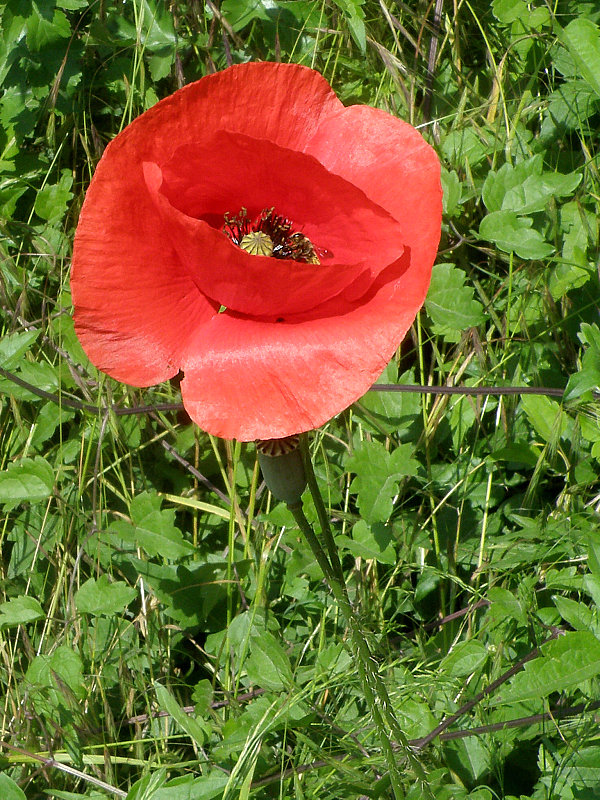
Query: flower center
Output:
(270,234)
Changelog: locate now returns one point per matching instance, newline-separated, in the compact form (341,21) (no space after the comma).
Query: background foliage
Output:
(164,631)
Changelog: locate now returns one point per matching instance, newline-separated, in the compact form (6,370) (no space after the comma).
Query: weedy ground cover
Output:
(164,630)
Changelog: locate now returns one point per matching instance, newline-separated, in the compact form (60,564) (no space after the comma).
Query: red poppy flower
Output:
(253,232)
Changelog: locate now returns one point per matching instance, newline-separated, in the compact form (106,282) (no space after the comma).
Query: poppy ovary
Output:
(270,234)
(282,468)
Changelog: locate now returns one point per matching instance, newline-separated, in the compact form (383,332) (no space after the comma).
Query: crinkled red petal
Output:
(232,171)
(135,305)
(247,379)
(394,166)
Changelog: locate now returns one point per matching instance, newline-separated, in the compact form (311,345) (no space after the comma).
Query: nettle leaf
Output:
(153,529)
(450,304)
(30,479)
(268,665)
(20,610)
(582,39)
(101,597)
(564,664)
(378,473)
(512,233)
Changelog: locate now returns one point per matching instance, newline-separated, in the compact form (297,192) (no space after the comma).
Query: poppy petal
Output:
(391,162)
(234,171)
(248,379)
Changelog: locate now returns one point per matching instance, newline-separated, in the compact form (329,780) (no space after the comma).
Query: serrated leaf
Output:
(588,376)
(43,30)
(512,233)
(524,188)
(268,665)
(30,479)
(20,610)
(13,347)
(51,202)
(451,304)
(578,615)
(378,473)
(564,664)
(101,597)
(154,529)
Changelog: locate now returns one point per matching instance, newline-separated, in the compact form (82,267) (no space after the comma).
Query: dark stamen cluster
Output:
(286,243)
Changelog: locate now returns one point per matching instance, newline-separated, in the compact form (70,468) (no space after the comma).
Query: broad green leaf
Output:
(103,597)
(370,542)
(450,303)
(452,192)
(582,39)
(391,411)
(565,664)
(588,376)
(153,529)
(20,610)
(45,27)
(268,665)
(378,473)
(524,188)
(13,347)
(547,417)
(505,605)
(30,479)
(507,11)
(464,658)
(52,201)
(194,729)
(9,790)
(512,233)
(51,678)
(578,615)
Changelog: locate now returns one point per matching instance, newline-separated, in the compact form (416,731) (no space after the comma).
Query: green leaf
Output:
(102,597)
(13,347)
(547,417)
(9,789)
(450,304)
(45,27)
(19,611)
(30,479)
(452,192)
(508,11)
(582,39)
(391,411)
(464,659)
(378,473)
(588,376)
(564,664)
(370,542)
(52,201)
(578,615)
(194,729)
(153,530)
(268,665)
(524,188)
(512,233)
(50,675)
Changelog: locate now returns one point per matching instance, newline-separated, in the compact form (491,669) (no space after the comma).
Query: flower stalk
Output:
(390,734)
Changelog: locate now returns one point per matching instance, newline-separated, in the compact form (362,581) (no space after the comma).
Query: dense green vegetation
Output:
(164,630)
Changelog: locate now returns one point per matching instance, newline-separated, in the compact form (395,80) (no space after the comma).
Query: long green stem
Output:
(373,687)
